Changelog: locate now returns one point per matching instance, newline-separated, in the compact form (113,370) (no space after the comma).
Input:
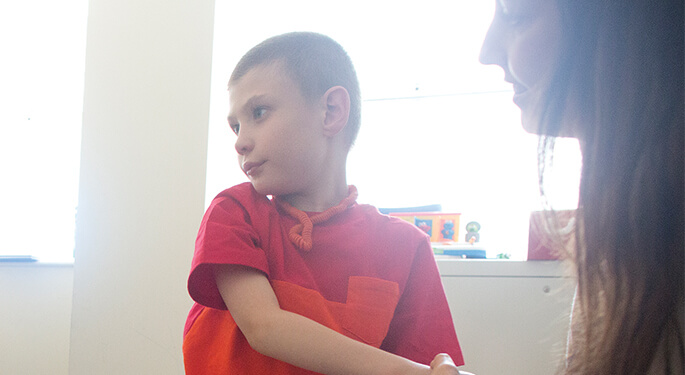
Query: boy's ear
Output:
(337,102)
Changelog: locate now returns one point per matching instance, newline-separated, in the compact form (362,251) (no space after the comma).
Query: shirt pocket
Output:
(370,307)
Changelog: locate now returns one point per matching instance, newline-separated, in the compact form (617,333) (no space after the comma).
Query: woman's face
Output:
(524,39)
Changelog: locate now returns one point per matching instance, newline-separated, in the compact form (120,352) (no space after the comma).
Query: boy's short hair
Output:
(315,62)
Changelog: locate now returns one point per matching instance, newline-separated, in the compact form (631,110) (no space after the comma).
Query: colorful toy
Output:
(424,225)
(472,234)
(441,227)
(447,231)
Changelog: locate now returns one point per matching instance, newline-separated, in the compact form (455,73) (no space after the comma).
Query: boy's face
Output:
(281,145)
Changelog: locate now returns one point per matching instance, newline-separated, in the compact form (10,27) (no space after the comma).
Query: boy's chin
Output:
(260,188)
(263,188)
(276,187)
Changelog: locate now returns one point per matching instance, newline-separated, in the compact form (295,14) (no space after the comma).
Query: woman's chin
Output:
(530,123)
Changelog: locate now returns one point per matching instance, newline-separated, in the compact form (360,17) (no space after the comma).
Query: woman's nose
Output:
(491,52)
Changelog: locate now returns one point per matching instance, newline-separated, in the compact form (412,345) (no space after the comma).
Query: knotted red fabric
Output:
(301,234)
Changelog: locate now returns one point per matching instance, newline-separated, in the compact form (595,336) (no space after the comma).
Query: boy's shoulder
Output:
(383,224)
(242,190)
(243,194)
(239,198)
(363,217)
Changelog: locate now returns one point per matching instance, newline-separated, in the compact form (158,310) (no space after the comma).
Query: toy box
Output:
(461,250)
(441,227)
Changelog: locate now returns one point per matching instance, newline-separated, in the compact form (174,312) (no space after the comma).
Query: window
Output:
(41,95)
(437,126)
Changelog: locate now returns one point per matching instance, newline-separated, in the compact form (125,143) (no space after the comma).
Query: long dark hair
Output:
(623,68)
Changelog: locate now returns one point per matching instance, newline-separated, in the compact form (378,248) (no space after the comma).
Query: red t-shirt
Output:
(368,276)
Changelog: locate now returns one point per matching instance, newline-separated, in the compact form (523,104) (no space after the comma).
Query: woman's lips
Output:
(519,94)
(519,88)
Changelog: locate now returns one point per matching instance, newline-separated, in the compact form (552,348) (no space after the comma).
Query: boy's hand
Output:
(442,364)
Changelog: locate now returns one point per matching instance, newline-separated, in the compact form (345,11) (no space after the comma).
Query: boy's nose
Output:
(243,145)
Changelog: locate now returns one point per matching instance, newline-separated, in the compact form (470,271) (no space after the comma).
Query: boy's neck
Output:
(318,200)
(329,189)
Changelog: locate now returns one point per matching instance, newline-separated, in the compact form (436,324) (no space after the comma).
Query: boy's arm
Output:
(297,340)
(422,324)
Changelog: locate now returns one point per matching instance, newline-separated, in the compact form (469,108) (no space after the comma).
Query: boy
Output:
(308,279)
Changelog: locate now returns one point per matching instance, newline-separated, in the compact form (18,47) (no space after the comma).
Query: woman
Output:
(610,73)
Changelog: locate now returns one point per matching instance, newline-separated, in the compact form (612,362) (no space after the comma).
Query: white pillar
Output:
(142,182)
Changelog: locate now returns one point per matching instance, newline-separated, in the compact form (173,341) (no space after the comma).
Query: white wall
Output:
(35,315)
(511,318)
(142,182)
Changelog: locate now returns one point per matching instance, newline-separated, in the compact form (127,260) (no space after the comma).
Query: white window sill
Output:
(36,264)
(454,267)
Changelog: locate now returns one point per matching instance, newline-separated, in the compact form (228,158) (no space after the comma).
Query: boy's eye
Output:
(259,112)
(235,128)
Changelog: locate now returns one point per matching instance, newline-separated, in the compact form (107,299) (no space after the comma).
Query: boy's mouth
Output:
(251,167)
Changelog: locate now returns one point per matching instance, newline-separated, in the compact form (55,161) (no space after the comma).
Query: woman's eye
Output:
(235,128)
(259,112)
(518,19)
(512,18)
